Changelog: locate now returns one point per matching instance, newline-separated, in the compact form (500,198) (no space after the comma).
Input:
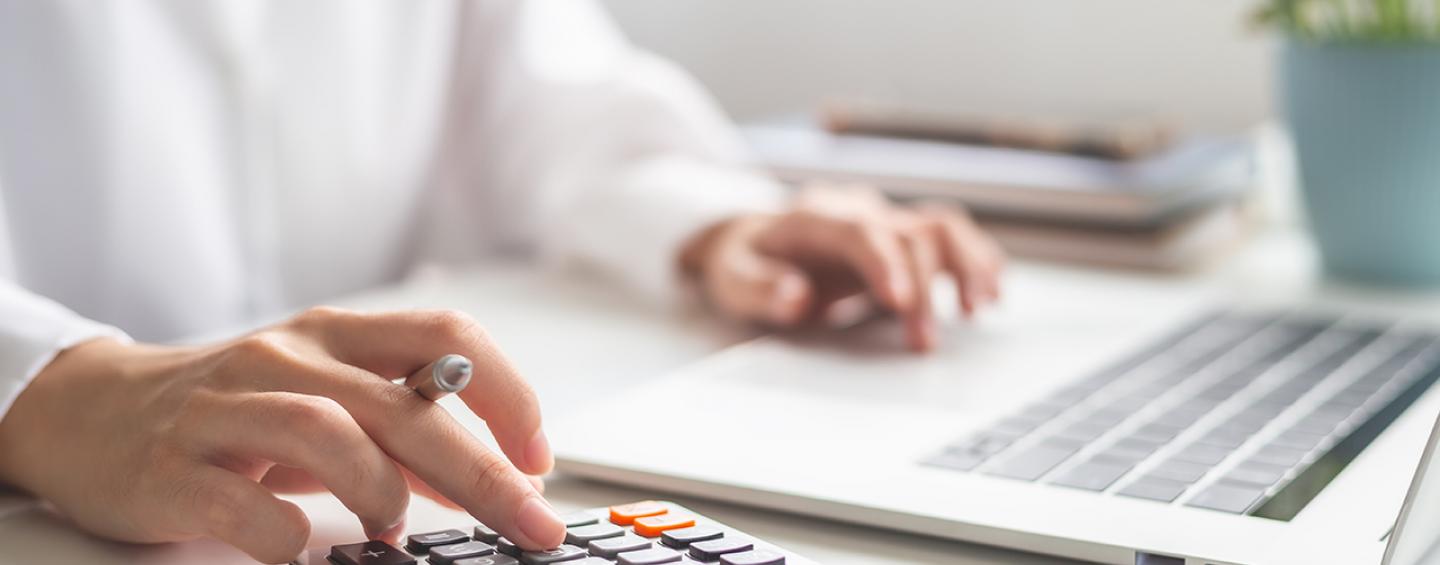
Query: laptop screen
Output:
(1416,538)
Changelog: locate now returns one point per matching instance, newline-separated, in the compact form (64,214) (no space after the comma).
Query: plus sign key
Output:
(370,553)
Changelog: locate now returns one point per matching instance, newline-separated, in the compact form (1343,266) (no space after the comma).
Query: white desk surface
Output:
(580,340)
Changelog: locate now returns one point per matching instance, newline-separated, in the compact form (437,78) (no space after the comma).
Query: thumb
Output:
(751,286)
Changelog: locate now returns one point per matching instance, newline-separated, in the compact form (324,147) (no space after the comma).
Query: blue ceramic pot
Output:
(1366,124)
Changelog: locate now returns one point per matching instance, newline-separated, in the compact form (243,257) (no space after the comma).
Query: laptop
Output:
(1103,419)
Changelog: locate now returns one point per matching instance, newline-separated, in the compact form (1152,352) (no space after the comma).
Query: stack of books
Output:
(1169,206)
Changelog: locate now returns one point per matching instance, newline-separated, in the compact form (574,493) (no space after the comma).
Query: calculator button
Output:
(683,537)
(583,535)
(756,557)
(713,549)
(504,545)
(420,543)
(609,548)
(625,514)
(487,535)
(590,561)
(652,556)
(574,519)
(370,553)
(447,554)
(557,555)
(652,526)
(496,559)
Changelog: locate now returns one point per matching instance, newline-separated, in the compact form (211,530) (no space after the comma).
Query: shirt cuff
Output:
(634,232)
(35,330)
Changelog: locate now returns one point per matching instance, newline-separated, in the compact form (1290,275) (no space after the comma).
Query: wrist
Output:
(35,419)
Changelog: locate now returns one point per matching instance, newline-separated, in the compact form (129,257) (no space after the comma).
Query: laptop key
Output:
(1256,474)
(713,549)
(1180,471)
(583,535)
(1092,475)
(370,553)
(1155,488)
(611,547)
(1278,455)
(753,557)
(560,554)
(652,556)
(1034,462)
(1204,454)
(448,554)
(1228,497)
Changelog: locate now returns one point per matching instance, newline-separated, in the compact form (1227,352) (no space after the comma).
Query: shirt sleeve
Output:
(33,329)
(599,153)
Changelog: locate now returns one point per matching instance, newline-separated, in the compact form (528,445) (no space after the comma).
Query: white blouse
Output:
(169,167)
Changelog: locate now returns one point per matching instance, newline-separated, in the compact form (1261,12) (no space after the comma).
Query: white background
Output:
(1200,62)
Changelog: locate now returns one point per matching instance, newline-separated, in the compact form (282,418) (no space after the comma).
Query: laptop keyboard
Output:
(1237,412)
(640,533)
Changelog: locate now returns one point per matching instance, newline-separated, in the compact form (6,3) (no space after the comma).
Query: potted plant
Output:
(1361,93)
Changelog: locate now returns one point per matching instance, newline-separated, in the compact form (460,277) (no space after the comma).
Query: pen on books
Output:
(445,375)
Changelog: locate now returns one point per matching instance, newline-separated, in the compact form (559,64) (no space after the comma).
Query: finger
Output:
(318,435)
(242,513)
(921,255)
(399,343)
(284,479)
(750,286)
(420,435)
(422,488)
(960,240)
(875,251)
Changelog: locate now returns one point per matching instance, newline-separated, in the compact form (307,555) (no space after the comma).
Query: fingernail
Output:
(539,523)
(538,454)
(389,534)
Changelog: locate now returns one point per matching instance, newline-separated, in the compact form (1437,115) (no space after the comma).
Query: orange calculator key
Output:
(625,514)
(652,526)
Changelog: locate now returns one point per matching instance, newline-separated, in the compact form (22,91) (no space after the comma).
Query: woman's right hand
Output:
(149,444)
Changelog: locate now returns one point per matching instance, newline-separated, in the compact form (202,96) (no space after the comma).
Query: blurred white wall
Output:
(1198,61)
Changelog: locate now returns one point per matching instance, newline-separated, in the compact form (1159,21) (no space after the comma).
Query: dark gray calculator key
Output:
(713,549)
(652,556)
(574,519)
(753,557)
(558,555)
(583,535)
(370,553)
(1154,488)
(487,535)
(611,547)
(683,537)
(1203,454)
(494,559)
(504,545)
(447,554)
(420,543)
(1092,475)
(1228,497)
(1180,471)
(1034,462)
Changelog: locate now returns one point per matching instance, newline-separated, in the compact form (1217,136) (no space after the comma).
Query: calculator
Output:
(649,532)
